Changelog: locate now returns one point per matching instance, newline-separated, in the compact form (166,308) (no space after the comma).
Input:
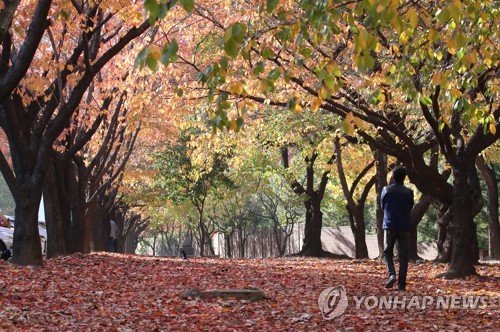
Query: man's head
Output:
(399,174)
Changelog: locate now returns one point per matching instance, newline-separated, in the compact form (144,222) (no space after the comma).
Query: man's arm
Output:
(382,195)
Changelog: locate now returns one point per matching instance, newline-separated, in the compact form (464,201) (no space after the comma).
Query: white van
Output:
(6,240)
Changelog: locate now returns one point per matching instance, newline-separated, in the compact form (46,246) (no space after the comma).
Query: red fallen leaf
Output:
(157,313)
(144,293)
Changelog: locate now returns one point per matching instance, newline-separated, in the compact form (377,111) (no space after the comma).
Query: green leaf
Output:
(169,53)
(231,48)
(238,32)
(141,58)
(152,62)
(163,11)
(426,101)
(153,8)
(239,121)
(329,81)
(179,92)
(273,75)
(188,5)
(259,68)
(271,5)
(224,62)
(267,53)
(443,15)
(64,14)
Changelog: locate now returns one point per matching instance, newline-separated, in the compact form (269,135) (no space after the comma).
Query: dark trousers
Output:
(403,238)
(112,245)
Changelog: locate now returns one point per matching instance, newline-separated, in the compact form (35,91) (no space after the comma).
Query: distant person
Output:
(113,236)
(397,201)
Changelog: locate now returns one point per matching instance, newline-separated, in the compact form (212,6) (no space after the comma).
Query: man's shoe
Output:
(401,288)
(390,281)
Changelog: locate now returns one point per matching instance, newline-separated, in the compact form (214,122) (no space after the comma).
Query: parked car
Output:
(6,240)
(9,221)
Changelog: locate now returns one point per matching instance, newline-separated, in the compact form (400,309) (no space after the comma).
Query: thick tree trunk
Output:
(56,244)
(280,240)
(314,222)
(228,245)
(91,224)
(357,223)
(360,242)
(76,228)
(463,255)
(490,178)
(417,213)
(27,247)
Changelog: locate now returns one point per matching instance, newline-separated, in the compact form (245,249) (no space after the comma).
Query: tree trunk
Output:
(445,240)
(463,253)
(27,249)
(312,246)
(280,240)
(380,183)
(54,206)
(242,243)
(77,222)
(357,223)
(417,213)
(228,245)
(490,178)
(91,224)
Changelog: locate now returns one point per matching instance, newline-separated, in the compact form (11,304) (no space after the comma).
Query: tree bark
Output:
(463,254)
(417,213)
(490,178)
(27,249)
(312,246)
(380,183)
(54,205)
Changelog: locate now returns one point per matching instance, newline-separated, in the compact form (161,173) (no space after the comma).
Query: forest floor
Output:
(103,291)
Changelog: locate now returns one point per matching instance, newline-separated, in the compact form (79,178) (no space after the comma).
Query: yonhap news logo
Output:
(333,302)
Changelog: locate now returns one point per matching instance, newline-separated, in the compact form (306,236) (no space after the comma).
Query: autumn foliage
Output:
(103,291)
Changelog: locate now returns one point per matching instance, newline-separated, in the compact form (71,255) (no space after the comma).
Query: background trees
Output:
(404,77)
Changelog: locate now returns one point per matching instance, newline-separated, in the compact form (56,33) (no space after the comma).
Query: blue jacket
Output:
(397,202)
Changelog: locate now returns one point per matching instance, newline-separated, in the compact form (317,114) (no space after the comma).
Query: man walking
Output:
(397,202)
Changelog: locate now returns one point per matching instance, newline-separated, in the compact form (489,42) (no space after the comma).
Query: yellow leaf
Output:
(413,17)
(436,78)
(424,15)
(359,123)
(456,93)
(298,108)
(236,88)
(493,129)
(349,117)
(232,125)
(322,93)
(451,45)
(348,128)
(155,52)
(315,104)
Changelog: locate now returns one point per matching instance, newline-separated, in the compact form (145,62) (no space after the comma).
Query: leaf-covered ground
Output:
(104,291)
